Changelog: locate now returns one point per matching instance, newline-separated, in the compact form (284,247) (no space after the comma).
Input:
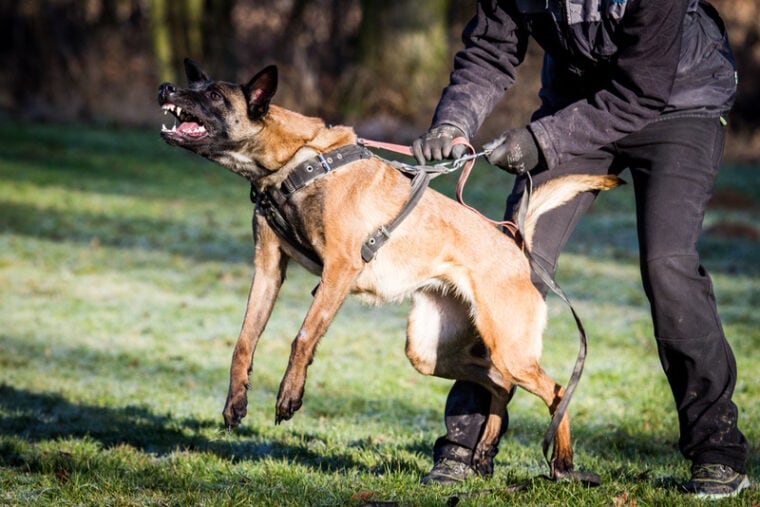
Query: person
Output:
(638,84)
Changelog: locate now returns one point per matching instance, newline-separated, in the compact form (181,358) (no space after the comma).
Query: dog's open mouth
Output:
(190,127)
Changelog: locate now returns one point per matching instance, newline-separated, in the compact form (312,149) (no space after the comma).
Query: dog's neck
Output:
(285,139)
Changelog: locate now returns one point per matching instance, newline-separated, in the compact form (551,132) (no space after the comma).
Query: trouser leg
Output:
(674,164)
(466,412)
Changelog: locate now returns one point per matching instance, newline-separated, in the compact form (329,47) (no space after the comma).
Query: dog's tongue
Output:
(191,128)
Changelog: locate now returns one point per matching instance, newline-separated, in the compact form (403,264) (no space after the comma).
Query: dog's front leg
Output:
(336,281)
(270,265)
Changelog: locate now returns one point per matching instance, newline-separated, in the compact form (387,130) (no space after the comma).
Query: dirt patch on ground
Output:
(734,230)
(731,199)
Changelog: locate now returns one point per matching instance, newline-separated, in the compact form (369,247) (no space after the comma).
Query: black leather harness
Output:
(270,203)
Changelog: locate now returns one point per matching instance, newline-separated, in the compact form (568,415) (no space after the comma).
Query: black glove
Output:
(515,151)
(436,144)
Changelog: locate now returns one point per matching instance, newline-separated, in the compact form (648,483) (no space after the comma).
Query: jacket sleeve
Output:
(638,89)
(494,45)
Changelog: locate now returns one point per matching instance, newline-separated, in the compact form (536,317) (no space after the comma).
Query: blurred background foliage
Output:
(379,66)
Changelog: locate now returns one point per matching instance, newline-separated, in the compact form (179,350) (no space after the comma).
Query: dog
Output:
(475,314)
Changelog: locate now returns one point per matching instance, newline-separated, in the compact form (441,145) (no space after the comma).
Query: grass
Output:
(124,269)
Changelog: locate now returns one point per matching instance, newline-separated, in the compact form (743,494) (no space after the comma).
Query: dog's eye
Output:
(214,95)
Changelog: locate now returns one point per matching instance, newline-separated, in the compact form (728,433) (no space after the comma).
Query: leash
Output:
(580,359)
(466,163)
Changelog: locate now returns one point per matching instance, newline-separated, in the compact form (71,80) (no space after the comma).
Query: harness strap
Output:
(379,237)
(318,166)
(270,202)
(266,206)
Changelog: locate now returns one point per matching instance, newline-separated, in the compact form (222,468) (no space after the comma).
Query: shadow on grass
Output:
(38,417)
(202,242)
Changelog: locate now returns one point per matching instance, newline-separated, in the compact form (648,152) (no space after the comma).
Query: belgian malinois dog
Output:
(475,316)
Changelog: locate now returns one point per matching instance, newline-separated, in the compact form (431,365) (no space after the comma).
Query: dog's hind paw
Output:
(585,477)
(482,461)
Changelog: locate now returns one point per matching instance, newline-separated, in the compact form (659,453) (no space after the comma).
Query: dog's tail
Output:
(556,192)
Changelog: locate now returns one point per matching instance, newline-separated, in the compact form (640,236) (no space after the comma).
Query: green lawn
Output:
(124,269)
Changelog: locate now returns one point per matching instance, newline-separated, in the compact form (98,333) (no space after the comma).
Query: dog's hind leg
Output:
(512,333)
(524,370)
(270,265)
(442,341)
(542,385)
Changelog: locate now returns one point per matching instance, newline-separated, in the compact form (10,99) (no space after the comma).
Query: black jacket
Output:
(610,67)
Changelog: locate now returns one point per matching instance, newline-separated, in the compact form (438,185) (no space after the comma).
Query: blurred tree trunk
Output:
(403,56)
(162,41)
(198,29)
(219,39)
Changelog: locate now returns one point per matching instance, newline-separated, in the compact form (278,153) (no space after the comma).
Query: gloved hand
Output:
(435,144)
(515,151)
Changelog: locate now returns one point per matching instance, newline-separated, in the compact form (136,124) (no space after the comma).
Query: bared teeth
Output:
(196,130)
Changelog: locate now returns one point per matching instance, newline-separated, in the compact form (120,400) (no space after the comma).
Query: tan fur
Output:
(556,192)
(469,283)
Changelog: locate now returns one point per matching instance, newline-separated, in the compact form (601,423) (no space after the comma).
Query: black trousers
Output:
(673,163)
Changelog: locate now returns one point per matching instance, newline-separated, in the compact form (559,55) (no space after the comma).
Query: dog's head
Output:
(215,117)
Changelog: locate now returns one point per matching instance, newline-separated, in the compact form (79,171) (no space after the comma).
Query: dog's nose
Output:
(164,90)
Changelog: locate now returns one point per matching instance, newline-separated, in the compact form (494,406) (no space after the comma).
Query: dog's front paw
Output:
(288,401)
(236,408)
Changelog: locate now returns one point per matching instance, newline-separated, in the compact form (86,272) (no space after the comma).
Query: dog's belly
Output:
(381,283)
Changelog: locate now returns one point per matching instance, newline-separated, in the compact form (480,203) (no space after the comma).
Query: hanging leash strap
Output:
(580,359)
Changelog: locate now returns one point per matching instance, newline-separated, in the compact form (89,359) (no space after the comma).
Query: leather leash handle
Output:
(396,148)
(465,174)
(467,168)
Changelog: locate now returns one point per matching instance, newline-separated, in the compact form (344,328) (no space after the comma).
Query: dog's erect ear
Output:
(259,92)
(193,72)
